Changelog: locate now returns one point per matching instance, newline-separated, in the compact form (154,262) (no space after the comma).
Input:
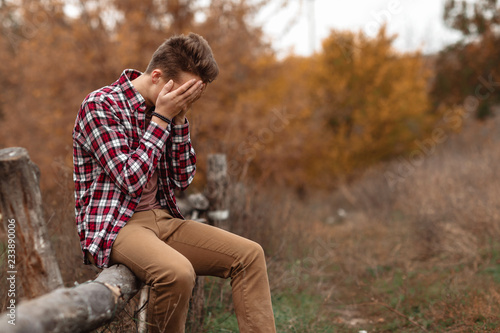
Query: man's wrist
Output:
(162,118)
(179,120)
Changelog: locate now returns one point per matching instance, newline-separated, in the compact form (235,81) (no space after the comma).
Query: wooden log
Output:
(78,309)
(33,263)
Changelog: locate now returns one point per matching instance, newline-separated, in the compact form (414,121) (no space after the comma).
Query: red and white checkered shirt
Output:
(114,157)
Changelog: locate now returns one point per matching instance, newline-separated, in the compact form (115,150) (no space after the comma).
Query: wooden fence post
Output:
(216,191)
(34,266)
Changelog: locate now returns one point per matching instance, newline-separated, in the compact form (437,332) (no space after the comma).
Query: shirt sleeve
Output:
(182,157)
(99,130)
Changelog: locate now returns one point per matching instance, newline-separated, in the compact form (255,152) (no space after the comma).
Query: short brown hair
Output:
(181,53)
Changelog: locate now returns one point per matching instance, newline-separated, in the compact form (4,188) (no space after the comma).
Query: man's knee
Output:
(180,276)
(253,252)
(186,275)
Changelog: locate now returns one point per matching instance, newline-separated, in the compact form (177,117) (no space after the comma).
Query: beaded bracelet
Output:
(165,119)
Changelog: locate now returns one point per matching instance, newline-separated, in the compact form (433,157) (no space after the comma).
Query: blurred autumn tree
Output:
(470,67)
(372,100)
(297,121)
(355,103)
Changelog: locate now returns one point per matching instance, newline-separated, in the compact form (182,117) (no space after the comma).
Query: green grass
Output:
(295,312)
(301,312)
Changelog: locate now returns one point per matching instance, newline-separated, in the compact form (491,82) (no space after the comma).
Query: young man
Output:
(131,148)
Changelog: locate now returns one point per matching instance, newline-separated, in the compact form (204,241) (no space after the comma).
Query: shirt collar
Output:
(137,102)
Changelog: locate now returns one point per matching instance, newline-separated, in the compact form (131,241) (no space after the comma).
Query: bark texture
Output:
(37,271)
(78,309)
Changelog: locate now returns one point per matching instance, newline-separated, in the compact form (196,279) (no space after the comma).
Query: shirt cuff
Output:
(157,134)
(180,133)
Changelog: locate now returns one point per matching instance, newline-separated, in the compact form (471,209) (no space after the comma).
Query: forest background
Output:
(368,172)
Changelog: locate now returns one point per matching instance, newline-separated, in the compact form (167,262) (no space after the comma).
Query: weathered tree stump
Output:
(34,265)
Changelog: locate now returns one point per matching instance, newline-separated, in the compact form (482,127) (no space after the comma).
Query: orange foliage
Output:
(372,101)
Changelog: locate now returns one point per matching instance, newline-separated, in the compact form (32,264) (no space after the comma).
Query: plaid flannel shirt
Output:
(114,157)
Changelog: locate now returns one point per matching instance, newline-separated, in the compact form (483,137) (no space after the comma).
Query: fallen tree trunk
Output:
(78,309)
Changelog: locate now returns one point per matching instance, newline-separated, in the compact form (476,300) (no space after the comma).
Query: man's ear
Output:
(156,74)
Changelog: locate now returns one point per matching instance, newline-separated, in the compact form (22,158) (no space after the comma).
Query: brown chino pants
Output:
(167,253)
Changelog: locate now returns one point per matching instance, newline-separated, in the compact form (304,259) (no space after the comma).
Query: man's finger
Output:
(167,87)
(185,87)
(193,97)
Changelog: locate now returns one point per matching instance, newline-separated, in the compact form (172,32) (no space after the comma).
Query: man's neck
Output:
(142,84)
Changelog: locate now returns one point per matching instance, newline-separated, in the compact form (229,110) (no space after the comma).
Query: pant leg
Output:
(215,252)
(170,275)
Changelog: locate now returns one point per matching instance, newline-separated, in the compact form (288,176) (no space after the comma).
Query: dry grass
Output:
(422,254)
